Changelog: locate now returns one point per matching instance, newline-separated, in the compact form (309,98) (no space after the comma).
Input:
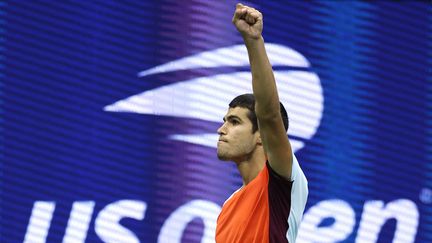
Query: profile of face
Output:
(236,140)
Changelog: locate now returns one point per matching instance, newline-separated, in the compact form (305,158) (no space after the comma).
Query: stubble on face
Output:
(222,152)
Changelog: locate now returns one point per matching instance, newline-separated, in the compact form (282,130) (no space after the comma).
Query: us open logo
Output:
(207,98)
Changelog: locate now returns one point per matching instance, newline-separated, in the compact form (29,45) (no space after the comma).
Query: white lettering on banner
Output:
(107,226)
(79,220)
(172,229)
(40,221)
(373,218)
(342,227)
(375,215)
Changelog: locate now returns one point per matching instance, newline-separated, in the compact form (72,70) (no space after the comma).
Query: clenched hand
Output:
(248,21)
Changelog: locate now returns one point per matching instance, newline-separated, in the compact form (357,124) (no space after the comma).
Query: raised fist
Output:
(248,21)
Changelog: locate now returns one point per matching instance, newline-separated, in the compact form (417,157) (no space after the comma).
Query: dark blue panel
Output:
(63,62)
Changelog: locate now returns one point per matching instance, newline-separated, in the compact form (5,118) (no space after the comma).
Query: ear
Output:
(259,141)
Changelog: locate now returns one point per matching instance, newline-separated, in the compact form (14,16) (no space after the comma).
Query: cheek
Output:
(250,145)
(245,142)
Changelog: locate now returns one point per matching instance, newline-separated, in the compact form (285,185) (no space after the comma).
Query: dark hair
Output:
(248,101)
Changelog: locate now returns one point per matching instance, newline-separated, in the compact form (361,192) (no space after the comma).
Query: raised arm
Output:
(249,22)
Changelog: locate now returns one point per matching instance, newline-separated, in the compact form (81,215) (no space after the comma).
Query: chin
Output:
(222,157)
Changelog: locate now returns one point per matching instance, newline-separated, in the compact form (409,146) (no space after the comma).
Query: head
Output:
(239,135)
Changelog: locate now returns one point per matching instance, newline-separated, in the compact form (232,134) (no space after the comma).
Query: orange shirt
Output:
(257,212)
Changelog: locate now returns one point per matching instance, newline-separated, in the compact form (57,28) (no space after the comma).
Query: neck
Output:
(251,166)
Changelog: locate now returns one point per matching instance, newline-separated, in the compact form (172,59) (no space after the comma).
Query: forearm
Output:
(263,81)
(249,22)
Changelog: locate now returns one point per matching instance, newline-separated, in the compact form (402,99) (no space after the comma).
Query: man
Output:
(270,204)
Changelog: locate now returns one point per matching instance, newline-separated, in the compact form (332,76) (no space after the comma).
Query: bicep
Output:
(276,145)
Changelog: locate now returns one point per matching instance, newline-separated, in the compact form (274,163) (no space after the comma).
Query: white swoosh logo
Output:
(233,56)
(207,98)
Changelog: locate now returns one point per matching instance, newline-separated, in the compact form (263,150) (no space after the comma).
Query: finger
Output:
(250,19)
(239,14)
(251,16)
(256,15)
(239,5)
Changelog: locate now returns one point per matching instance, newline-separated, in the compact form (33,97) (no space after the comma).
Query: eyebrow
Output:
(232,117)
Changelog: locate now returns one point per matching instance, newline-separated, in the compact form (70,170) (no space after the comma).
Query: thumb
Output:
(239,12)
(239,5)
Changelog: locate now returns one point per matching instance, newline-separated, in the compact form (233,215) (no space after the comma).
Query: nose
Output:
(222,130)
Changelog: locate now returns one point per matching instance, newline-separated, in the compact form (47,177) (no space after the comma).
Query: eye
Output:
(235,122)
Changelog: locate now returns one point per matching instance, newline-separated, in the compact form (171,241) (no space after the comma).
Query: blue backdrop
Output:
(109,111)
